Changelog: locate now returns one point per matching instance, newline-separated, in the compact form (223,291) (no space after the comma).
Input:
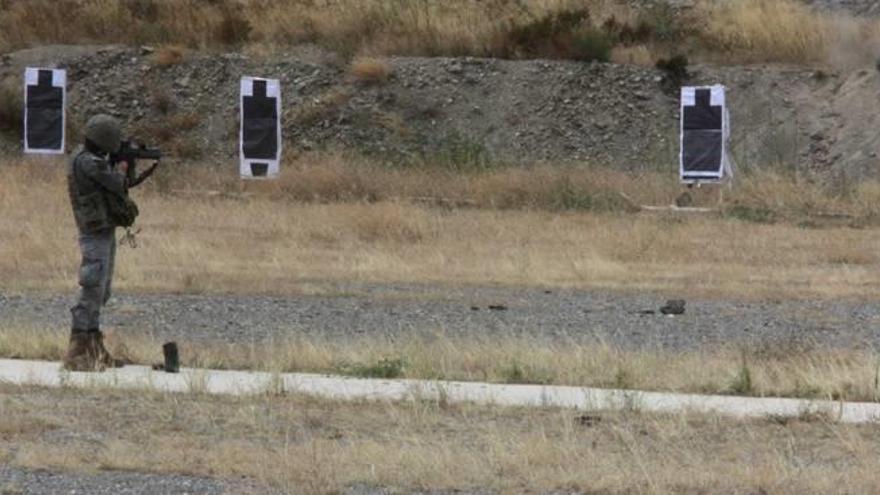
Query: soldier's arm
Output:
(99,171)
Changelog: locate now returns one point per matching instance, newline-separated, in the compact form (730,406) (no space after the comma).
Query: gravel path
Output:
(14,481)
(394,311)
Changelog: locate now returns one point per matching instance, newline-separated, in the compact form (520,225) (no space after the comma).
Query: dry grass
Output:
(369,70)
(723,31)
(168,55)
(274,237)
(301,445)
(779,31)
(785,369)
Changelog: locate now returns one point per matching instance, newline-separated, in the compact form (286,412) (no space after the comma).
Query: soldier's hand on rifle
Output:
(122,167)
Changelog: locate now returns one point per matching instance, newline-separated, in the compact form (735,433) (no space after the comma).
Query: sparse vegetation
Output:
(341,219)
(162,100)
(384,368)
(781,369)
(297,444)
(11,107)
(676,69)
(323,107)
(168,55)
(369,70)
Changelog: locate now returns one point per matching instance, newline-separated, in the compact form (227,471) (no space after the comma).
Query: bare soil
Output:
(475,112)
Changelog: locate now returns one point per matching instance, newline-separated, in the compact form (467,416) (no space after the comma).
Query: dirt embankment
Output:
(473,111)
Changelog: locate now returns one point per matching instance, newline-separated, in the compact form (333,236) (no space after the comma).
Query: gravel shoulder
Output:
(631,321)
(14,481)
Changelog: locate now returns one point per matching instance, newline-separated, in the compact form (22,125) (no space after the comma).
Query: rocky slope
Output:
(474,110)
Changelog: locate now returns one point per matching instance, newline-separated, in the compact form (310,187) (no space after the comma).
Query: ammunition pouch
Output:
(123,211)
(91,212)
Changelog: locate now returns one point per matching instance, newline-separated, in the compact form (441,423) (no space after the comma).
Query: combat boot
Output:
(102,355)
(80,354)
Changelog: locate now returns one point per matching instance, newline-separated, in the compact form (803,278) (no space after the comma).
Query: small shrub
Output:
(676,69)
(186,149)
(590,45)
(549,36)
(565,195)
(627,34)
(661,23)
(370,70)
(742,382)
(514,373)
(517,373)
(623,379)
(460,153)
(162,100)
(754,214)
(385,368)
(145,10)
(153,133)
(11,107)
(234,29)
(326,106)
(168,55)
(186,121)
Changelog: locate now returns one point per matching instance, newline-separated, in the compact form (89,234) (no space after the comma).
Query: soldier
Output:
(90,182)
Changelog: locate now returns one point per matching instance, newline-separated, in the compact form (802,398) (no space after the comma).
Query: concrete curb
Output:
(49,374)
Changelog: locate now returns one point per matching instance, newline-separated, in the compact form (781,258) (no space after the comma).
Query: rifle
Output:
(131,151)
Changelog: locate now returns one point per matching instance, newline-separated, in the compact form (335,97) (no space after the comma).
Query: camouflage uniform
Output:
(91,182)
(90,178)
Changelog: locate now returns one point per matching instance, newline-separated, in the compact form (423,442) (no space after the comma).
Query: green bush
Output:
(385,368)
(460,153)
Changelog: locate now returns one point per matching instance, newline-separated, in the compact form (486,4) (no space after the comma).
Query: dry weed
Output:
(785,31)
(724,31)
(787,369)
(562,227)
(168,55)
(369,70)
(302,445)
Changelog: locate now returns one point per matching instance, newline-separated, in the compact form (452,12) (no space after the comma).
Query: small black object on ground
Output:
(172,359)
(673,307)
(498,307)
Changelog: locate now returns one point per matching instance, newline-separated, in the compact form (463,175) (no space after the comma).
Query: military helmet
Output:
(105,131)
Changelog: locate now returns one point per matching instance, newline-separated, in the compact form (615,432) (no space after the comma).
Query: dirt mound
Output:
(473,112)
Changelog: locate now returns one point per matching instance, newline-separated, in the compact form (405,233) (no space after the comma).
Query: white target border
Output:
(59,80)
(273,89)
(718,96)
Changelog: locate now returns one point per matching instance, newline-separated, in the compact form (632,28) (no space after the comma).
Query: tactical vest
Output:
(87,199)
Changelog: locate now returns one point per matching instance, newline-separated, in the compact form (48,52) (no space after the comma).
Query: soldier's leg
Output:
(111,264)
(95,250)
(104,358)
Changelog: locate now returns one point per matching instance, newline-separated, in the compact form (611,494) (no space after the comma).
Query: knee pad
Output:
(91,273)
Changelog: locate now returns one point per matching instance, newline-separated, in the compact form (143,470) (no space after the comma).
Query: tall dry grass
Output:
(783,369)
(542,226)
(721,31)
(786,31)
(294,444)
